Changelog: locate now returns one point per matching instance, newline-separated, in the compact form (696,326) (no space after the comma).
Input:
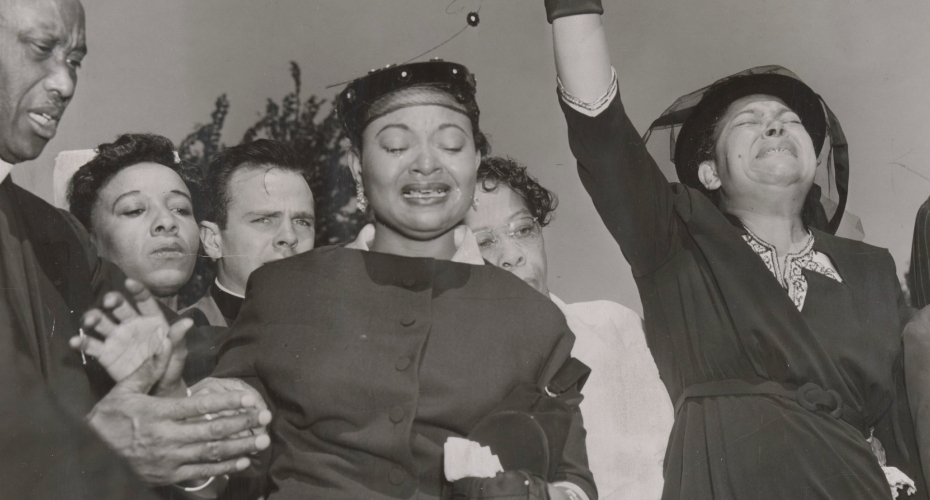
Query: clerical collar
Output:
(227,301)
(230,292)
(4,170)
(466,246)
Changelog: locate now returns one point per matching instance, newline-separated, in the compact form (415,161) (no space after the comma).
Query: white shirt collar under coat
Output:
(466,246)
(5,169)
(230,292)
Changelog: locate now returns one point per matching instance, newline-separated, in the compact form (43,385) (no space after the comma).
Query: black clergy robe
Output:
(49,275)
(212,315)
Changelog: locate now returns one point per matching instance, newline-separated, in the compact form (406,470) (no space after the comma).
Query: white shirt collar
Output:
(466,246)
(223,288)
(4,170)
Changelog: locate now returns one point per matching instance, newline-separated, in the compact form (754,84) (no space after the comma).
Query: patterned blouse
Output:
(791,278)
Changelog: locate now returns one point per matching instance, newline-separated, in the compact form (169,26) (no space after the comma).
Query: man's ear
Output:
(355,166)
(212,239)
(707,174)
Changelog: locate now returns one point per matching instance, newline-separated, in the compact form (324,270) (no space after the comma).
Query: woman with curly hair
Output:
(136,200)
(508,219)
(627,411)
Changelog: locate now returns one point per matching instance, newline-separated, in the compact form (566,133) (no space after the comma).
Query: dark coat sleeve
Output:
(242,342)
(632,196)
(236,359)
(916,340)
(47,453)
(919,275)
(574,467)
(899,436)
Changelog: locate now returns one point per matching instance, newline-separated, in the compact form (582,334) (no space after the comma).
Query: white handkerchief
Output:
(899,480)
(464,458)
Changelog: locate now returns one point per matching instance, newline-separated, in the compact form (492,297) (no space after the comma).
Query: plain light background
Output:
(158,66)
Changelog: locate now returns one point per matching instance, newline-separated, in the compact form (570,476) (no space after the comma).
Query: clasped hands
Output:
(148,417)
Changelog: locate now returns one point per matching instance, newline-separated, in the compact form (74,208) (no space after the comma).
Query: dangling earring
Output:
(474,204)
(360,198)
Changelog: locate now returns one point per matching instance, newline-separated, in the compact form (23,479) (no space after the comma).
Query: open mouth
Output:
(782,148)
(171,251)
(47,122)
(776,151)
(429,191)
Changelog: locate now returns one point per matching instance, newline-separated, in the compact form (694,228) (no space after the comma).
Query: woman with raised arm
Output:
(779,342)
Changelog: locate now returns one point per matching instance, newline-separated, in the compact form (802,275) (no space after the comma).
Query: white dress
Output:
(627,411)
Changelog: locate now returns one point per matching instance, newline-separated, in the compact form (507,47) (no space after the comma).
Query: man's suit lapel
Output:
(57,249)
(13,275)
(57,278)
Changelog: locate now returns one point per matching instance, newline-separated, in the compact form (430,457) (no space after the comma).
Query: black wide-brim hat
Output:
(794,93)
(695,115)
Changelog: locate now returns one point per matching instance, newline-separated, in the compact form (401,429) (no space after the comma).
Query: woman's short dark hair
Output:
(496,170)
(706,151)
(255,154)
(127,150)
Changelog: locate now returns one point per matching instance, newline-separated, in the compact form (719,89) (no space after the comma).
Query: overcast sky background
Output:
(158,66)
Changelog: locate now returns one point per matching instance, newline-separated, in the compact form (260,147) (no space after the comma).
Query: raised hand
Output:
(166,440)
(139,343)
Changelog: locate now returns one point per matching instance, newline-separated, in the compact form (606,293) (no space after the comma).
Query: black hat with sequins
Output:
(393,87)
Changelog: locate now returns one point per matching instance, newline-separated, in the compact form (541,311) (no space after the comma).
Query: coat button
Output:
(397,414)
(408,320)
(409,282)
(397,477)
(402,363)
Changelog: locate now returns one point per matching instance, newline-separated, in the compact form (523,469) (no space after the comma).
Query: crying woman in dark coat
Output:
(372,355)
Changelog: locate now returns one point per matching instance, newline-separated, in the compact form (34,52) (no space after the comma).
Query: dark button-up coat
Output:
(370,361)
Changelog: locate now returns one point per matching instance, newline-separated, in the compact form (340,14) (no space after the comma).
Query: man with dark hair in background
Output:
(259,208)
(50,398)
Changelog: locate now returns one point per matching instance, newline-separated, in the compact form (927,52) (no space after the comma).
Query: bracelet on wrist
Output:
(202,486)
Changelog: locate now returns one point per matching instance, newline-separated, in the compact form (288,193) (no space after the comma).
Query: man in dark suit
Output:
(54,406)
